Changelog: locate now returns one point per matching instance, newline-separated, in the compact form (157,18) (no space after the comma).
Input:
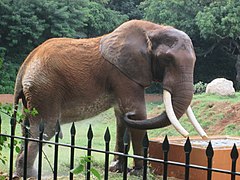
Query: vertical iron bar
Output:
(26,128)
(145,153)
(209,154)
(234,156)
(13,124)
(107,139)
(165,149)
(90,137)
(40,147)
(187,149)
(57,131)
(125,166)
(0,124)
(73,133)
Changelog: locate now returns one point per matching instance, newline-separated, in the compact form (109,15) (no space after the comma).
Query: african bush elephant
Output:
(74,79)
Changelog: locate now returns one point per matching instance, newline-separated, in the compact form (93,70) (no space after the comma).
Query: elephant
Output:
(70,80)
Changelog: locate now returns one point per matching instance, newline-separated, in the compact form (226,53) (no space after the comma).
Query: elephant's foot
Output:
(136,171)
(117,166)
(31,172)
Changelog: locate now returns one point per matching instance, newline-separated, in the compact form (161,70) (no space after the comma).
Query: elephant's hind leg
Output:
(32,149)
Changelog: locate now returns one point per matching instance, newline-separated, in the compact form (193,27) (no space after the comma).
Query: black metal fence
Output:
(146,160)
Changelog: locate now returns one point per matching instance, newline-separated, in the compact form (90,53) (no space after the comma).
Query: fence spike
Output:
(73,129)
(145,142)
(234,152)
(90,132)
(57,128)
(187,146)
(126,137)
(165,144)
(107,136)
(209,150)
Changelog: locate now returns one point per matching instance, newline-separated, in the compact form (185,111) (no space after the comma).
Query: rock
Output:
(221,86)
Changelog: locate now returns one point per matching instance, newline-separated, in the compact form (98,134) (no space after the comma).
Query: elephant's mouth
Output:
(166,118)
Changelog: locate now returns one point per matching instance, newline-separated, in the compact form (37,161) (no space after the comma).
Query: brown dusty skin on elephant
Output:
(73,79)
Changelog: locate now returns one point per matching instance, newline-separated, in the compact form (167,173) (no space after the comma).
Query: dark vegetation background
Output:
(213,25)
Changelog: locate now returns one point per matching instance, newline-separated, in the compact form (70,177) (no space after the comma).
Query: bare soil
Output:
(6,98)
(231,112)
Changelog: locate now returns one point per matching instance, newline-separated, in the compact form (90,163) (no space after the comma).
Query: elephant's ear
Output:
(128,49)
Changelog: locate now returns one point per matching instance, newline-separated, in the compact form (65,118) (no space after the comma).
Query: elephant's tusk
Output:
(171,115)
(195,123)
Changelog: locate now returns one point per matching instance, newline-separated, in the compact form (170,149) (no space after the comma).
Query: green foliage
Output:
(81,168)
(177,13)
(200,87)
(32,112)
(25,24)
(4,143)
(127,7)
(233,129)
(220,20)
(102,20)
(7,74)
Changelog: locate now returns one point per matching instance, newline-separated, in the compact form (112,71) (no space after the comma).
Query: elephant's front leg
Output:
(137,139)
(118,161)
(135,135)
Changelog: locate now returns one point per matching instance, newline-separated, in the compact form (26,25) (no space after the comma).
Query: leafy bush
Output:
(8,72)
(81,168)
(200,87)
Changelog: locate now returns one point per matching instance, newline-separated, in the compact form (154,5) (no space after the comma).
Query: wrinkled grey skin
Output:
(74,79)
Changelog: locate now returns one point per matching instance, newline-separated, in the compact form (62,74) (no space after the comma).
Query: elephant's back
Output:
(63,64)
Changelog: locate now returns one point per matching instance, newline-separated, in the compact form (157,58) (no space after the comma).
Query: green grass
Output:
(201,107)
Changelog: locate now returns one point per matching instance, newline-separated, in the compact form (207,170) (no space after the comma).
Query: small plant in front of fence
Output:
(81,168)
(7,110)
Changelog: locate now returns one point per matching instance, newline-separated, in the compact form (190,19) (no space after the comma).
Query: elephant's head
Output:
(147,52)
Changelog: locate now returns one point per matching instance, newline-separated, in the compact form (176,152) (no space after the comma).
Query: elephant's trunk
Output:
(181,98)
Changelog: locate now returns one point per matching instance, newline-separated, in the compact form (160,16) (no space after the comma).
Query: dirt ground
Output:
(6,98)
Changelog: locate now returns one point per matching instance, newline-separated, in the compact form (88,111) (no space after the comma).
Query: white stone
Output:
(221,86)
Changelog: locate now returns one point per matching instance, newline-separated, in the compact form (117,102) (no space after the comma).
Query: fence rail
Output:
(73,147)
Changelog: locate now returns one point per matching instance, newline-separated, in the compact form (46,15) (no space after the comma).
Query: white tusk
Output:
(171,115)
(195,123)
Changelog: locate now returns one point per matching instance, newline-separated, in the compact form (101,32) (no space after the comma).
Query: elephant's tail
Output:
(18,94)
(17,97)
